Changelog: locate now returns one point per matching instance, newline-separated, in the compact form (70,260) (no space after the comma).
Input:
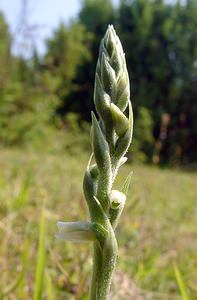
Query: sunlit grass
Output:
(41,256)
(158,227)
(181,283)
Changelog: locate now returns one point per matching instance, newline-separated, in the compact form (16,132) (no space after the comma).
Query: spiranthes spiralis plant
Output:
(111,136)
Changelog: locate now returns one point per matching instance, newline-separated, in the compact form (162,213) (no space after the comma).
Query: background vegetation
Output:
(160,43)
(45,104)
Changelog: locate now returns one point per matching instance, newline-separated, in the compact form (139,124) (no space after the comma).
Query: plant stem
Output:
(104,261)
(110,138)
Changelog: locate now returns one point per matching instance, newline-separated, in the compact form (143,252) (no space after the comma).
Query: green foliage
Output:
(66,51)
(49,288)
(96,15)
(76,135)
(27,101)
(157,227)
(142,146)
(25,109)
(20,201)
(12,286)
(5,41)
(180,283)
(160,44)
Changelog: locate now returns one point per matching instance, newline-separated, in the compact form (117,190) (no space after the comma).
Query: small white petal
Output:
(117,198)
(75,231)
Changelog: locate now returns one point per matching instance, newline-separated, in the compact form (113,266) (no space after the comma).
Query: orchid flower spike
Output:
(111,135)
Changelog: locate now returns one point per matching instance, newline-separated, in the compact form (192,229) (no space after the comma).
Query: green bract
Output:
(111,136)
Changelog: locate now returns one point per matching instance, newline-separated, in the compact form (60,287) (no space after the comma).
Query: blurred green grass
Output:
(156,230)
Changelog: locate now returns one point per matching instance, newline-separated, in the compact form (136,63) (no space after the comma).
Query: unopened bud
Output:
(121,123)
(123,91)
(107,75)
(100,145)
(101,99)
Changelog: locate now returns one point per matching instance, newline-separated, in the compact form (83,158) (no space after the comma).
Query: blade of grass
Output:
(13,286)
(49,288)
(181,283)
(21,287)
(40,266)
(21,199)
(19,280)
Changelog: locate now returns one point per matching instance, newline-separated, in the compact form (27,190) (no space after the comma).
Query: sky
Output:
(43,16)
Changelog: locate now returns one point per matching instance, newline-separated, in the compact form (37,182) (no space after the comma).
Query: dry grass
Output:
(158,227)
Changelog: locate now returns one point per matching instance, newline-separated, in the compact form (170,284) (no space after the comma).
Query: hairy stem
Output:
(104,261)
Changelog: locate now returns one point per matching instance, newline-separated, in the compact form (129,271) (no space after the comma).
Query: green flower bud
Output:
(109,41)
(111,70)
(121,123)
(124,141)
(100,145)
(107,75)
(94,172)
(102,50)
(123,91)
(101,99)
(89,186)
(116,62)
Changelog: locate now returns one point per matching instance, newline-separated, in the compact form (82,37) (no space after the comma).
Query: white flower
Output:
(117,198)
(75,231)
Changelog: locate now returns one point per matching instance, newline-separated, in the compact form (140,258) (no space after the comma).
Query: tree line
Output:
(160,44)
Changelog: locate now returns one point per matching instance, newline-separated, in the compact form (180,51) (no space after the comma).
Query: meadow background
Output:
(45,104)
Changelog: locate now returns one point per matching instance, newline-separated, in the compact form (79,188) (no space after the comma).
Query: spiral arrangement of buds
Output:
(111,136)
